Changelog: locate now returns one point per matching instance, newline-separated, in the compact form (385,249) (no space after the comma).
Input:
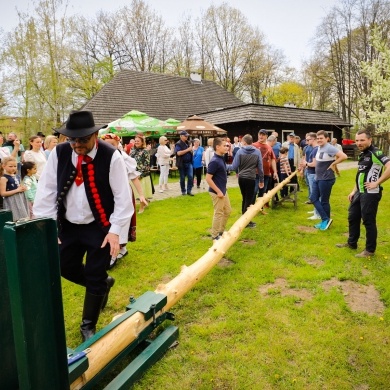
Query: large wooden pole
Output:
(110,345)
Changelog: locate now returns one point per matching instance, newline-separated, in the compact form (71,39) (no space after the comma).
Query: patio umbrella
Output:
(171,124)
(133,123)
(169,127)
(195,125)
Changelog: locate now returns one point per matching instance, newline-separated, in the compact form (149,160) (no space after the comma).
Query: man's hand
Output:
(113,240)
(261,185)
(220,194)
(371,185)
(351,195)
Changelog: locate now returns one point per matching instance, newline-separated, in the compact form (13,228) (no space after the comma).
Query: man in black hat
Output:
(84,185)
(183,150)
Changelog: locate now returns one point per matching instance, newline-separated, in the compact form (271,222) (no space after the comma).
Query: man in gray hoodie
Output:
(247,162)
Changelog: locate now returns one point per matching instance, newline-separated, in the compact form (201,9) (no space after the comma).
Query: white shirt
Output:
(76,202)
(38,158)
(208,155)
(163,154)
(4,152)
(131,166)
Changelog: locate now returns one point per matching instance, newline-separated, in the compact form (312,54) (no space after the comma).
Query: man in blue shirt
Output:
(307,149)
(216,178)
(183,150)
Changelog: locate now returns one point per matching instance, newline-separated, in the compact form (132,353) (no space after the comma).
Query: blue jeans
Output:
(310,181)
(186,170)
(320,196)
(307,182)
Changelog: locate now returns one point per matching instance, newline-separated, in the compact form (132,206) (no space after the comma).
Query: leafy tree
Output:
(225,35)
(36,53)
(184,50)
(316,77)
(285,93)
(144,39)
(342,43)
(263,68)
(376,103)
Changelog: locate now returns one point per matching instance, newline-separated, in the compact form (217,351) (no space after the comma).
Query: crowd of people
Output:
(90,185)
(316,159)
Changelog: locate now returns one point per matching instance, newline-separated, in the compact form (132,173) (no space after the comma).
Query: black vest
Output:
(96,182)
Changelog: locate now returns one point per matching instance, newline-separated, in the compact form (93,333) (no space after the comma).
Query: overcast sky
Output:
(288,25)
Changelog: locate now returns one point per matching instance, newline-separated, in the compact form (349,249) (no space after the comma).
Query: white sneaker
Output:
(310,212)
(314,217)
(161,190)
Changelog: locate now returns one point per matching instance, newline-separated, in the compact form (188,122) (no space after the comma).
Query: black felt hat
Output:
(79,124)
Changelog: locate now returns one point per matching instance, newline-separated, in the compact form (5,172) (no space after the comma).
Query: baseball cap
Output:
(184,133)
(263,131)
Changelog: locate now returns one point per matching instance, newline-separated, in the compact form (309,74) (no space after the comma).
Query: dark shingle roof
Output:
(159,95)
(263,113)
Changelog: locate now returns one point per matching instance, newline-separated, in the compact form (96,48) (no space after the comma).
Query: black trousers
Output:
(363,207)
(80,240)
(247,188)
(198,175)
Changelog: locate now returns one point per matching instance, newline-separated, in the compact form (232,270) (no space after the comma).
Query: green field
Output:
(285,310)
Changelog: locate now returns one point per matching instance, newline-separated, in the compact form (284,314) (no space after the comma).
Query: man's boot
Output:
(110,282)
(91,311)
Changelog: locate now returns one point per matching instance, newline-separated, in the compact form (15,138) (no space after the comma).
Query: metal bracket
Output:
(148,304)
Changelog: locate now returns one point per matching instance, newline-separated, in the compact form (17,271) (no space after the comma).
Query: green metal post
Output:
(8,371)
(36,304)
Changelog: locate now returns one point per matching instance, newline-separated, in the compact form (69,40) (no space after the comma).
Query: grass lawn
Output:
(286,310)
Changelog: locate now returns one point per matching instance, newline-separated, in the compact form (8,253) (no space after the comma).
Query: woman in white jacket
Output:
(163,154)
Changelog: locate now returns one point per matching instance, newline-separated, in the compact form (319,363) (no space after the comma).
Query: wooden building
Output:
(250,118)
(159,95)
(165,96)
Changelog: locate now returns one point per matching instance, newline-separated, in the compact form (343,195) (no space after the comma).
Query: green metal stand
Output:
(36,304)
(8,372)
(144,360)
(148,304)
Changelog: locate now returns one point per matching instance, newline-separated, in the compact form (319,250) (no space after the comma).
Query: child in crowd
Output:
(216,178)
(285,169)
(29,169)
(12,191)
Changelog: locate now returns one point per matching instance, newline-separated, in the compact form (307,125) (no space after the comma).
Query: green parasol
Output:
(133,123)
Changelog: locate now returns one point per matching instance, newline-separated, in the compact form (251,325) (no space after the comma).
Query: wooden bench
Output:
(291,197)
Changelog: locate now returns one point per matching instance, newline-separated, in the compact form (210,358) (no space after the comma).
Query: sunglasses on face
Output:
(83,140)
